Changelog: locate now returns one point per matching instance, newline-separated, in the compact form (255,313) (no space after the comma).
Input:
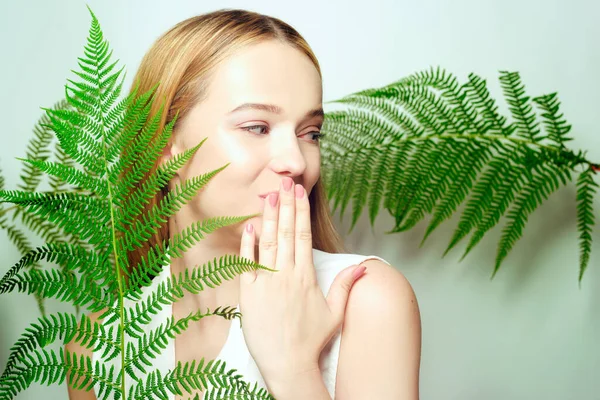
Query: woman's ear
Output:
(167,153)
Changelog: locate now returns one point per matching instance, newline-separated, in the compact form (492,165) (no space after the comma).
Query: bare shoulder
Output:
(381,337)
(75,347)
(383,282)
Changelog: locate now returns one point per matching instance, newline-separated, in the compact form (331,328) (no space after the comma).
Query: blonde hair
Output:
(180,62)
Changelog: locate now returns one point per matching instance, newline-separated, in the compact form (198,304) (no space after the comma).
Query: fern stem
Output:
(119,279)
(594,166)
(500,137)
(117,266)
(112,215)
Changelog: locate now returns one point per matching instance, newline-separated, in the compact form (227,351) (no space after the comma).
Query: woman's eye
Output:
(248,128)
(316,134)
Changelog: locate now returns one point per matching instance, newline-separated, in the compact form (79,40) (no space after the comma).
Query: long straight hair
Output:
(181,61)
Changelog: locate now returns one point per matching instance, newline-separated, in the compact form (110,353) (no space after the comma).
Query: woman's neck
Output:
(209,249)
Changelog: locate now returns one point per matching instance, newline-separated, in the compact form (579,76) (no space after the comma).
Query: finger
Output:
(286,225)
(303,236)
(247,251)
(339,291)
(267,244)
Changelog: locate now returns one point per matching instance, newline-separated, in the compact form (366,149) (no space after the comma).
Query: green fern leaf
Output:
(531,196)
(47,367)
(61,326)
(37,149)
(505,193)
(150,344)
(556,126)
(173,288)
(585,217)
(462,184)
(71,175)
(189,377)
(520,106)
(133,205)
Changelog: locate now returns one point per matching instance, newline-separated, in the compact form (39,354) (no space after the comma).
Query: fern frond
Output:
(480,199)
(555,125)
(490,120)
(418,165)
(401,156)
(439,137)
(159,255)
(70,137)
(445,162)
(381,178)
(77,258)
(136,134)
(188,376)
(346,138)
(256,392)
(362,174)
(134,205)
(104,139)
(142,229)
(71,175)
(61,285)
(542,184)
(585,217)
(125,119)
(520,106)
(461,113)
(46,230)
(22,244)
(37,149)
(144,160)
(77,214)
(462,183)
(503,196)
(151,344)
(192,280)
(47,367)
(65,327)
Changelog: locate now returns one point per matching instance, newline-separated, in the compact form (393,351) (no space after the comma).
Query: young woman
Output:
(251,85)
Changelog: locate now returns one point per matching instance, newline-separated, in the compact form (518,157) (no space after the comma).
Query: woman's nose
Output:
(288,157)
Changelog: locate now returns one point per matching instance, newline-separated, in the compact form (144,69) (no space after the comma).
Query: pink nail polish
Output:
(358,272)
(287,184)
(249,227)
(273,197)
(299,191)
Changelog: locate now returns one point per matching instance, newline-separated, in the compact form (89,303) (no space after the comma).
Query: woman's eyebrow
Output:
(317,112)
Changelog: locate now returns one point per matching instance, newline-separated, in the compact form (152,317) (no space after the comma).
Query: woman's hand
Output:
(286,320)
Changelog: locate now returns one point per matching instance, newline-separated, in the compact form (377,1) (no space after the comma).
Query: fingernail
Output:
(273,199)
(287,184)
(249,228)
(358,272)
(299,191)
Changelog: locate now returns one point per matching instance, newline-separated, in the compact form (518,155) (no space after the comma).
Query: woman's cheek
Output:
(236,149)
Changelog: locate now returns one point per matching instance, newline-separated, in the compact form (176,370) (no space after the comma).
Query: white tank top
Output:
(235,353)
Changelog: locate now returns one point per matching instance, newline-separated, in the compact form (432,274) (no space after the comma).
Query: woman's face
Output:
(263,144)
